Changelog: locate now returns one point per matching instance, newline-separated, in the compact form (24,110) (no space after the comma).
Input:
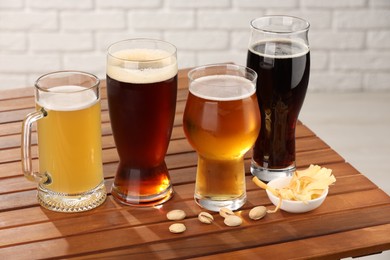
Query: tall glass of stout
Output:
(279,53)
(141,92)
(221,121)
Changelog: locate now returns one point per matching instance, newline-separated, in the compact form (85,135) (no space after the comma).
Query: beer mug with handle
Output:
(70,177)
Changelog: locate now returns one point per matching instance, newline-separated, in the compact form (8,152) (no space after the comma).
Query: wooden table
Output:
(354,219)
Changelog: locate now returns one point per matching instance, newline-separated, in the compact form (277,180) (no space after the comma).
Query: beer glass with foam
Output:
(70,177)
(279,53)
(221,121)
(141,92)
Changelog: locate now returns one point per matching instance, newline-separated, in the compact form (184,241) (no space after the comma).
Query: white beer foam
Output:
(127,66)
(222,87)
(67,98)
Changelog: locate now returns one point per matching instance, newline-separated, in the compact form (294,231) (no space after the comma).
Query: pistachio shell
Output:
(257,212)
(205,217)
(232,221)
(224,212)
(177,228)
(176,214)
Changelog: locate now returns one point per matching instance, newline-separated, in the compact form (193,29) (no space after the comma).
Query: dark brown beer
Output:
(142,109)
(283,77)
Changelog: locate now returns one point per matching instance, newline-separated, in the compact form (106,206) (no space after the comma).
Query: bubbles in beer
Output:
(222,87)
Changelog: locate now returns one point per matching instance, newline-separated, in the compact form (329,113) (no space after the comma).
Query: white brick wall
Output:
(350,39)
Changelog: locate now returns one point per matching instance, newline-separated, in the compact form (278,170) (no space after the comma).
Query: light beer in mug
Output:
(71,122)
(70,176)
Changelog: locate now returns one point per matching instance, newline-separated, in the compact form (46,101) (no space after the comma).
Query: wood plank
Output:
(185,191)
(16,93)
(187,175)
(14,127)
(10,147)
(12,134)
(178,176)
(199,239)
(303,159)
(325,247)
(16,103)
(10,128)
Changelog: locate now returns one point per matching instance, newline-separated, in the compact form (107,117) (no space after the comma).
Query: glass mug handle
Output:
(26,148)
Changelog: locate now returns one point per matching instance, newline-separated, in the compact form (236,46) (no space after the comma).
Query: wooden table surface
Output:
(353,221)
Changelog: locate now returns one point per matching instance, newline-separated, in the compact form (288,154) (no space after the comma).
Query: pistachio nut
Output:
(232,221)
(176,214)
(257,212)
(224,212)
(205,217)
(177,228)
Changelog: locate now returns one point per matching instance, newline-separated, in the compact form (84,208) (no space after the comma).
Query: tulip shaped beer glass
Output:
(141,92)
(70,177)
(279,53)
(221,121)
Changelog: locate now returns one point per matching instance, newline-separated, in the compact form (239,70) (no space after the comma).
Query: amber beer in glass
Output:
(279,53)
(221,121)
(141,92)
(70,173)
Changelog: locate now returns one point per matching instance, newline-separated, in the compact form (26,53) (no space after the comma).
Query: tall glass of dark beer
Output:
(279,53)
(141,92)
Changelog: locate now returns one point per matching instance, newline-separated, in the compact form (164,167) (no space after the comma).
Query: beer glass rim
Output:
(227,66)
(305,24)
(64,72)
(170,53)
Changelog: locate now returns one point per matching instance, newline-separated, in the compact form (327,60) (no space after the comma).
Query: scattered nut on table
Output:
(205,217)
(176,214)
(177,228)
(232,221)
(257,212)
(224,212)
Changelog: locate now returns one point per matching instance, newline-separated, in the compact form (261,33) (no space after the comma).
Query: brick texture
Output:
(80,21)
(349,39)
(161,20)
(60,4)
(28,21)
(119,4)
(10,4)
(13,41)
(47,42)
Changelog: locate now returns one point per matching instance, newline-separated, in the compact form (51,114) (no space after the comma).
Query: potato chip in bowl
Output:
(302,192)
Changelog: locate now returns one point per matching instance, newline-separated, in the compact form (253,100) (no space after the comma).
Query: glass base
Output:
(266,174)
(142,201)
(215,204)
(62,202)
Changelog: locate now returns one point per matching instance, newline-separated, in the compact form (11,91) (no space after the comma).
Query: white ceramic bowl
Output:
(290,205)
